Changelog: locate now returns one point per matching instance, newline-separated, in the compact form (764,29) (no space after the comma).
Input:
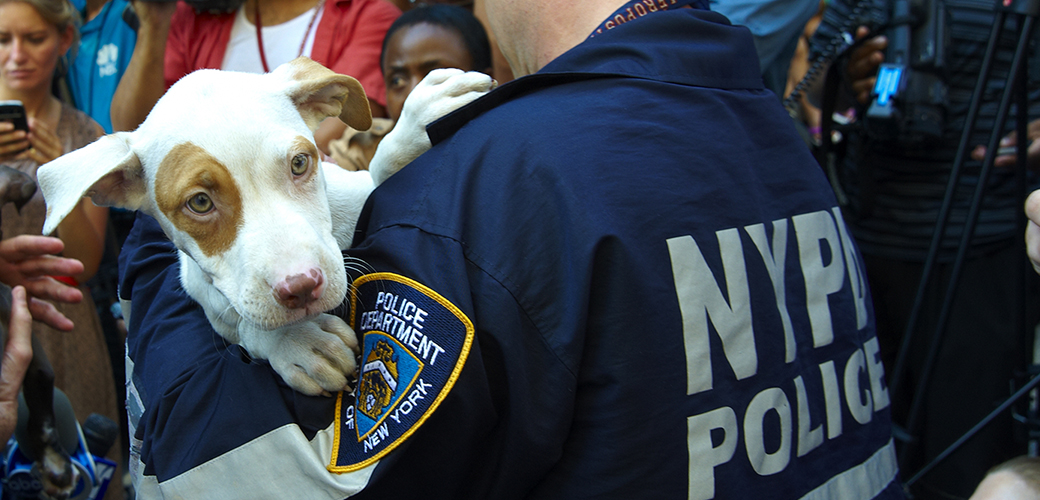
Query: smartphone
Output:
(14,112)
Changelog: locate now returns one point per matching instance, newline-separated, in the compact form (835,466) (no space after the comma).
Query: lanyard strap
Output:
(260,35)
(636,9)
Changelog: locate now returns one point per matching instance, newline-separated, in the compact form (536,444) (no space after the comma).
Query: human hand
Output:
(44,143)
(1033,229)
(862,69)
(154,14)
(16,357)
(12,142)
(30,261)
(1011,141)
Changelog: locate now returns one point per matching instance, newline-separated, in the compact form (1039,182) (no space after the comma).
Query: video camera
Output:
(909,102)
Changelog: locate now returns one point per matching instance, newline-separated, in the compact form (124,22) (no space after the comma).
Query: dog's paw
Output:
(315,356)
(439,93)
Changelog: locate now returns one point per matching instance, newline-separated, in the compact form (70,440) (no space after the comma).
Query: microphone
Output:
(101,433)
(64,422)
(94,471)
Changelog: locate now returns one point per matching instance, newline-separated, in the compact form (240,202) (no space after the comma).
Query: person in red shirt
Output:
(174,39)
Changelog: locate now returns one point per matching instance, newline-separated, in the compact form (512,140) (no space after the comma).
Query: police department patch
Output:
(414,343)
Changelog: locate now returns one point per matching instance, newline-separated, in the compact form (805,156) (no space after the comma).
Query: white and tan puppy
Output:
(227,164)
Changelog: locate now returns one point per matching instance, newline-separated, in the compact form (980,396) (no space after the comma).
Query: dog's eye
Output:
(300,163)
(200,203)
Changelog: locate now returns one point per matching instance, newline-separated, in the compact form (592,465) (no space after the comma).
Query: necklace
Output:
(260,36)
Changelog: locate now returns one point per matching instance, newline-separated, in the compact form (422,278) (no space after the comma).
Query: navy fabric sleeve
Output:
(488,421)
(199,396)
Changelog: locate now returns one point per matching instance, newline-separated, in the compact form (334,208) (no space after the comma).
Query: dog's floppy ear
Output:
(319,93)
(106,170)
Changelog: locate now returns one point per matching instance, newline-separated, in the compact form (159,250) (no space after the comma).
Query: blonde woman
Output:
(34,36)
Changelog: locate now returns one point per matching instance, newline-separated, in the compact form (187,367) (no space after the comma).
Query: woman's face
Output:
(412,52)
(29,47)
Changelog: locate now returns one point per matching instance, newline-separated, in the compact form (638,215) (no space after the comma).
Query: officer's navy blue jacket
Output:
(622,277)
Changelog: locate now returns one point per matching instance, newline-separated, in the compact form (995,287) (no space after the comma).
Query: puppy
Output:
(227,164)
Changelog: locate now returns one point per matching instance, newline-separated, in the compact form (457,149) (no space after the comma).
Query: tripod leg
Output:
(1017,68)
(944,212)
(974,430)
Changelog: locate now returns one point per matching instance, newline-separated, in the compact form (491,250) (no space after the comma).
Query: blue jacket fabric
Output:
(106,44)
(623,276)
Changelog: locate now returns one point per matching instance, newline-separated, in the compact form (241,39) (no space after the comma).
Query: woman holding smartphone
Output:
(34,36)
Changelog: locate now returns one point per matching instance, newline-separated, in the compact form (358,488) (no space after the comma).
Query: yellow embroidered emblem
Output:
(414,343)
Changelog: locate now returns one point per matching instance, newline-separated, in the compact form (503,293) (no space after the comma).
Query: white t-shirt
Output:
(281,42)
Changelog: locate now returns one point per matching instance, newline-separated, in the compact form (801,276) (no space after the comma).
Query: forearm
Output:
(143,82)
(175,374)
